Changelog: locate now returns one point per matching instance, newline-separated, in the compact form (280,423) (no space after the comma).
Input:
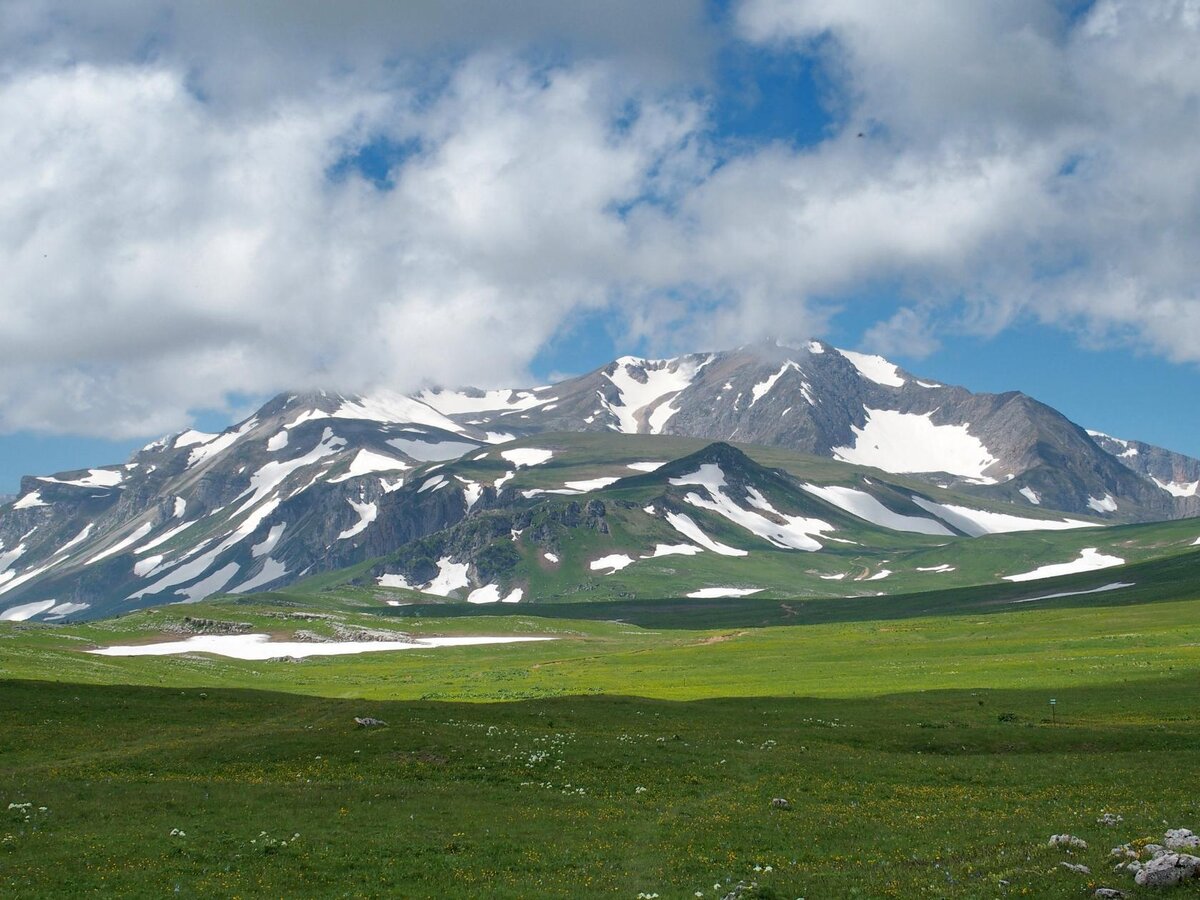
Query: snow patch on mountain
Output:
(874,368)
(66,609)
(715,592)
(673,550)
(526,456)
(30,500)
(26,610)
(366,515)
(907,442)
(431,451)
(393,581)
(391,407)
(189,438)
(865,506)
(645,466)
(490,593)
(144,567)
(274,473)
(213,584)
(614,563)
(1105,504)
(163,538)
(453,403)
(432,484)
(267,544)
(272,570)
(794,532)
(944,567)
(687,526)
(141,532)
(977,522)
(451,576)
(210,448)
(94,478)
(277,441)
(1090,559)
(73,542)
(1031,495)
(368,462)
(648,401)
(1178,488)
(763,388)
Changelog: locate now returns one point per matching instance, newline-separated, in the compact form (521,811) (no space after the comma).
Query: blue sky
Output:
(211,208)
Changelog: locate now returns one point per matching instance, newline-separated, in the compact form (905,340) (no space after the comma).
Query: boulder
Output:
(1181,839)
(781,803)
(1168,869)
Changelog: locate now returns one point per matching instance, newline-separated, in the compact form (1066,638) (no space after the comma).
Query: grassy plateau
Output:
(637,753)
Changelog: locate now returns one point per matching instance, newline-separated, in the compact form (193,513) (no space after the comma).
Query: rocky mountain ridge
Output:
(314,482)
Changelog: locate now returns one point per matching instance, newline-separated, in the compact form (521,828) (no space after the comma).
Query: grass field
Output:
(916,750)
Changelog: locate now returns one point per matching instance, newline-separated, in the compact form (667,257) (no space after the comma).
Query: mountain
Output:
(425,491)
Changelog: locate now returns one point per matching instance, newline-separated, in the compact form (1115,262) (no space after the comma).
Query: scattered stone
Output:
(1168,869)
(1109,894)
(368,722)
(741,889)
(1111,820)
(1067,841)
(359,633)
(1154,849)
(781,803)
(1181,839)
(193,625)
(1125,851)
(1079,868)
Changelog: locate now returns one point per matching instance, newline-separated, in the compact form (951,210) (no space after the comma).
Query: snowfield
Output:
(527,456)
(794,532)
(906,442)
(978,522)
(874,368)
(1090,559)
(614,563)
(648,403)
(715,592)
(260,647)
(687,526)
(865,506)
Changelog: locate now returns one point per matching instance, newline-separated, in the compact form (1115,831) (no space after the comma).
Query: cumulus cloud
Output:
(180,223)
(1080,133)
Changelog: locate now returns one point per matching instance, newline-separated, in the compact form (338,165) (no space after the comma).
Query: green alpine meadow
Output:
(670,450)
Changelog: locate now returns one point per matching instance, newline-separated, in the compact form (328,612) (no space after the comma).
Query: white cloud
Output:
(1082,135)
(171,233)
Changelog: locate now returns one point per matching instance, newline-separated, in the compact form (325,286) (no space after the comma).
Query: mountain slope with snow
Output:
(315,482)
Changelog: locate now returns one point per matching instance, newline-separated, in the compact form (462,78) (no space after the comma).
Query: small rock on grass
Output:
(1078,868)
(781,803)
(368,722)
(1109,894)
(1068,841)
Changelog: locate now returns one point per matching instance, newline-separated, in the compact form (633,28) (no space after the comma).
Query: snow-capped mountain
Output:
(316,482)
(860,409)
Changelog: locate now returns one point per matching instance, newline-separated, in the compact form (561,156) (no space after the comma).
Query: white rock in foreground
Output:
(1168,869)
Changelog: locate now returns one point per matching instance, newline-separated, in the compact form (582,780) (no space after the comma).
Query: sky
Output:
(206,203)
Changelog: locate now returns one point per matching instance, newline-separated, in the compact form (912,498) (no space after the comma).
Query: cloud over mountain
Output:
(201,205)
